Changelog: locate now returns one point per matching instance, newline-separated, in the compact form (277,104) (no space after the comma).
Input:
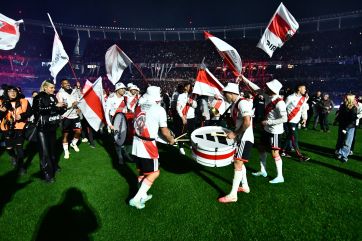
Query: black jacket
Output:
(45,109)
(347,117)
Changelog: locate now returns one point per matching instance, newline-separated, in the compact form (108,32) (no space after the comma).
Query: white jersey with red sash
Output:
(114,105)
(149,117)
(240,108)
(131,102)
(296,107)
(275,114)
(185,109)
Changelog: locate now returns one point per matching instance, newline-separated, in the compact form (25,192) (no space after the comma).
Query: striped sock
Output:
(65,146)
(279,164)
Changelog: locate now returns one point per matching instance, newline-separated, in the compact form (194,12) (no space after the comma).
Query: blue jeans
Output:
(347,139)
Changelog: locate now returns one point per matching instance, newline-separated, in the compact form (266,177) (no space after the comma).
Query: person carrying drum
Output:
(150,118)
(70,119)
(116,103)
(241,113)
(274,116)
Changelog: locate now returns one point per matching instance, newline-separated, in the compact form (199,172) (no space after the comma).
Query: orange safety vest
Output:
(19,125)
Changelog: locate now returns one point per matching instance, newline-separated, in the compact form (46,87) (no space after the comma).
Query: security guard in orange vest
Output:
(15,111)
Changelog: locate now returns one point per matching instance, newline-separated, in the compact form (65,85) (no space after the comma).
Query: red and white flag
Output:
(91,105)
(9,32)
(207,84)
(229,54)
(116,62)
(281,27)
(87,86)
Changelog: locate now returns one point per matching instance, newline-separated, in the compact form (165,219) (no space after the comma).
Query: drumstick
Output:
(218,134)
(180,136)
(183,140)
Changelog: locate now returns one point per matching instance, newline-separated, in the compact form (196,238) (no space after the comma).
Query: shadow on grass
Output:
(338,169)
(124,170)
(321,150)
(8,187)
(72,219)
(171,161)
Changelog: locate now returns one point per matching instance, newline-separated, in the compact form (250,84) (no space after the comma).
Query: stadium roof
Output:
(165,13)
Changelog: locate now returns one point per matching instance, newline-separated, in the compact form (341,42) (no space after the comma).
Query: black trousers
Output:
(323,117)
(47,143)
(14,141)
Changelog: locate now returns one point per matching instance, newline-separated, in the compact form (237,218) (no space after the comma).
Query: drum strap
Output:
(144,138)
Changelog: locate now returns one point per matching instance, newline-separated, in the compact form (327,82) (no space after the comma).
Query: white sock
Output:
(75,141)
(236,182)
(262,157)
(279,164)
(65,146)
(142,191)
(244,180)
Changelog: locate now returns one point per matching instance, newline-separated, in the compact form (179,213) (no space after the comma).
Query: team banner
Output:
(9,32)
(229,54)
(281,28)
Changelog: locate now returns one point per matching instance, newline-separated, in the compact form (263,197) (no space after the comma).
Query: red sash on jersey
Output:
(271,106)
(149,145)
(122,105)
(218,104)
(187,107)
(133,102)
(234,115)
(296,109)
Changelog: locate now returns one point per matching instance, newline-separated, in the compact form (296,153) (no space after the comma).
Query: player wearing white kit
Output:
(150,118)
(241,113)
(274,116)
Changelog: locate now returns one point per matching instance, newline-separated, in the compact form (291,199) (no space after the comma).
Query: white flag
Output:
(281,27)
(91,105)
(9,32)
(59,57)
(116,62)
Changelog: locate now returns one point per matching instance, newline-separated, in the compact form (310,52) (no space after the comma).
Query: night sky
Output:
(169,13)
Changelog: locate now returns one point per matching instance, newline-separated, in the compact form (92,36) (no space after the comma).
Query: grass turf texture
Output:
(320,199)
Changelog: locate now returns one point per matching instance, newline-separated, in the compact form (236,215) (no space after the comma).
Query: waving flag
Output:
(91,105)
(281,27)
(59,56)
(228,53)
(9,32)
(116,62)
(207,84)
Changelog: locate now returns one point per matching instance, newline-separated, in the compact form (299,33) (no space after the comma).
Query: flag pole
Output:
(56,33)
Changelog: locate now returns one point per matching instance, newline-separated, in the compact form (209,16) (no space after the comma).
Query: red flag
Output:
(207,84)
(91,105)
(9,32)
(228,53)
(281,27)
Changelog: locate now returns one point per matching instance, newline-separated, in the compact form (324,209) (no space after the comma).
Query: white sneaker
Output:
(75,147)
(136,204)
(277,180)
(146,198)
(258,174)
(182,151)
(84,140)
(66,154)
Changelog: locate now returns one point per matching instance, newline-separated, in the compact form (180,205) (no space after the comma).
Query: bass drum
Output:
(120,128)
